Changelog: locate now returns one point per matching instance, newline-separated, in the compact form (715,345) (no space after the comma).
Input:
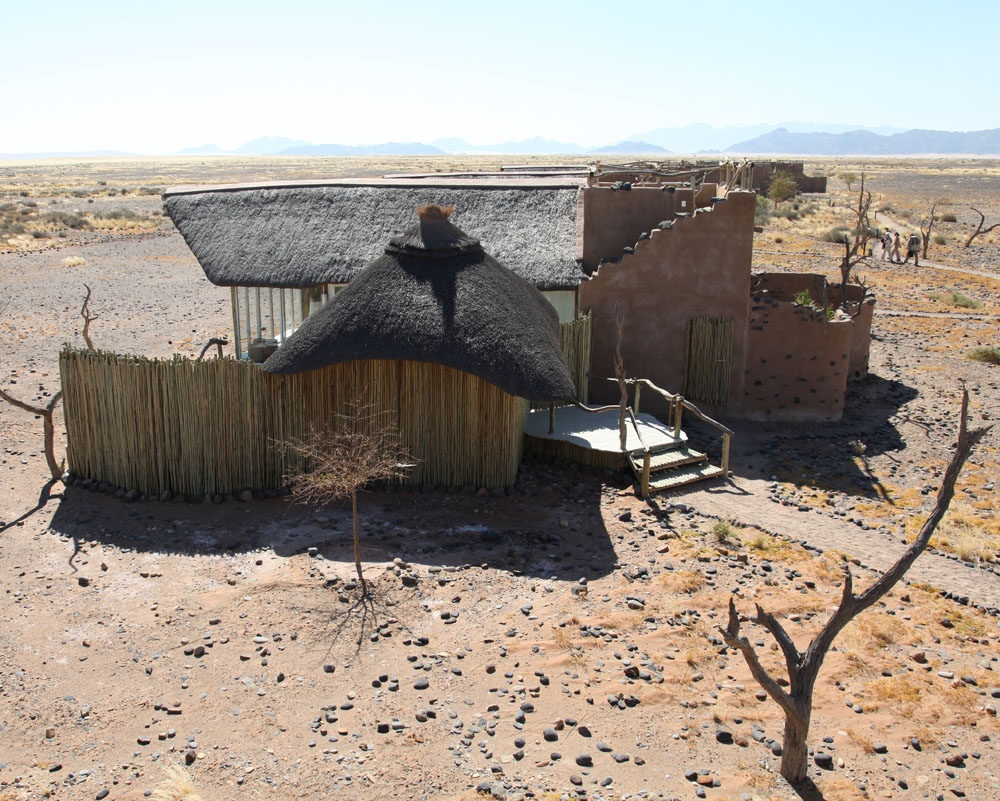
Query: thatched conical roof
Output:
(435,296)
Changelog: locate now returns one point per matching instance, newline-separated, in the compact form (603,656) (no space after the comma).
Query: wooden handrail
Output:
(673,398)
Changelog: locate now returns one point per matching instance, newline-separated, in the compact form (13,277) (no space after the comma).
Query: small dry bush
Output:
(965,532)
(900,692)
(176,787)
(862,741)
(683,581)
(73,261)
(990,355)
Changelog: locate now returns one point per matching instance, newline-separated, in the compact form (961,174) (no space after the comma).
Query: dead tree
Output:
(925,236)
(621,377)
(979,228)
(364,446)
(45,412)
(87,319)
(803,667)
(217,342)
(856,245)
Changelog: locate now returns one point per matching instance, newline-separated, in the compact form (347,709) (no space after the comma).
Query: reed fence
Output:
(574,339)
(216,426)
(708,354)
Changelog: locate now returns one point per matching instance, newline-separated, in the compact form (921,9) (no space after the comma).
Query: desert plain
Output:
(560,641)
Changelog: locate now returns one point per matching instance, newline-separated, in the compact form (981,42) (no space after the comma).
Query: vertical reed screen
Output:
(574,339)
(708,354)
(214,426)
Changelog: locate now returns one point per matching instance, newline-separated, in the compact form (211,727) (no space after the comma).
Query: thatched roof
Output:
(301,235)
(435,296)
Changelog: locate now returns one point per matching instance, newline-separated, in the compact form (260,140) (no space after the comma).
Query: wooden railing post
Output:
(725,452)
(678,415)
(645,473)
(635,403)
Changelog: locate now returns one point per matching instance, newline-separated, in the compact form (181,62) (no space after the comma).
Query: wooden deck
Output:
(599,432)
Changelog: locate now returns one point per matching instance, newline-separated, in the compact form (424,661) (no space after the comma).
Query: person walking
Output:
(913,249)
(886,246)
(894,256)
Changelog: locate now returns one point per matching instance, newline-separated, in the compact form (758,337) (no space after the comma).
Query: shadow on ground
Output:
(550,527)
(819,454)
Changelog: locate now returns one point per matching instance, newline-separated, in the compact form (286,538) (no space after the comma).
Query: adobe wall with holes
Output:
(798,360)
(699,267)
(785,286)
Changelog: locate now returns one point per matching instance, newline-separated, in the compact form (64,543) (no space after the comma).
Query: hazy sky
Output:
(159,76)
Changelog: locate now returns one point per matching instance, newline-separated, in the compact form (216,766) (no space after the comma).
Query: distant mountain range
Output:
(701,138)
(793,138)
(913,142)
(280,146)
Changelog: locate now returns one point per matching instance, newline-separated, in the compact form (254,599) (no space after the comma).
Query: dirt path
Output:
(745,502)
(895,225)
(935,315)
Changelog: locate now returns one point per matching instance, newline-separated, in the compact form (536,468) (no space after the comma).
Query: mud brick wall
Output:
(699,267)
(615,218)
(797,362)
(784,287)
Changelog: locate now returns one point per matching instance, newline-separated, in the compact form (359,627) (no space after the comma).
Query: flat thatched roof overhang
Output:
(435,296)
(325,232)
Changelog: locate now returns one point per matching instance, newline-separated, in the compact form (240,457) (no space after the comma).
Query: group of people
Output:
(890,248)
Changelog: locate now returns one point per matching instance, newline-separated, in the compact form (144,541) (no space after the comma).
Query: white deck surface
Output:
(599,431)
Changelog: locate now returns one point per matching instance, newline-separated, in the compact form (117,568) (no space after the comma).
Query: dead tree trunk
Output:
(48,429)
(979,228)
(803,667)
(620,375)
(87,319)
(855,247)
(925,236)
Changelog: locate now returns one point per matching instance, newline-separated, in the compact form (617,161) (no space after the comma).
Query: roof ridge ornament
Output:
(432,212)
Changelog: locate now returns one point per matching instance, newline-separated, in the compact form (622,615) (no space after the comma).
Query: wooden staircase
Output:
(673,465)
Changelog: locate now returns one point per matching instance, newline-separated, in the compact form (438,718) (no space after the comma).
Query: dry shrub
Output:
(176,787)
(683,581)
(862,741)
(73,261)
(901,692)
(966,533)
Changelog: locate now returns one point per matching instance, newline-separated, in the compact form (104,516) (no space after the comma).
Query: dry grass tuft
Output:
(73,261)
(901,692)
(968,533)
(685,581)
(176,787)
(862,741)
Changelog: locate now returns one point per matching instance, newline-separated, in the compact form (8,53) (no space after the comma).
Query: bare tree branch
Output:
(621,377)
(925,236)
(856,247)
(731,636)
(87,319)
(979,228)
(364,446)
(803,668)
(48,428)
(792,656)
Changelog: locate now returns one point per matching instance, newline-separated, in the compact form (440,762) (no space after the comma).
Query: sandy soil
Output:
(558,642)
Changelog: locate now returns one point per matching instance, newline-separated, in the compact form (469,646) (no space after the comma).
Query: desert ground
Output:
(557,642)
